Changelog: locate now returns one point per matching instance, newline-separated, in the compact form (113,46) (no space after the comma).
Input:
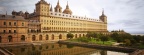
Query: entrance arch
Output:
(79,35)
(60,36)
(33,37)
(0,39)
(47,37)
(22,38)
(75,35)
(10,38)
(83,35)
(40,37)
(52,36)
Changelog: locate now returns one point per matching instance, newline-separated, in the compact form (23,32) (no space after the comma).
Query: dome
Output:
(67,11)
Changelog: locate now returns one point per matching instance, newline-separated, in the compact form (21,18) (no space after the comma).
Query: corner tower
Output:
(58,8)
(42,8)
(103,17)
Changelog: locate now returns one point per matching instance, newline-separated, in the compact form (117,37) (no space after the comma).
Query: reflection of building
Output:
(46,24)
(51,49)
(13,28)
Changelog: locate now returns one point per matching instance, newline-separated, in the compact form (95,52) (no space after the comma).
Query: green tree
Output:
(89,34)
(142,39)
(137,38)
(114,35)
(104,38)
(69,35)
(127,42)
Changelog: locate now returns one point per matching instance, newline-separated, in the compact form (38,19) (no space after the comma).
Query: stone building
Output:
(46,24)
(13,28)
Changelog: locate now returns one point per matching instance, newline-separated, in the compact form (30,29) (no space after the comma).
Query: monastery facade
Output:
(47,24)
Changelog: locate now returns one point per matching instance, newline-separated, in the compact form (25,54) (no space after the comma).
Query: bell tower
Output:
(103,17)
(42,8)
(58,8)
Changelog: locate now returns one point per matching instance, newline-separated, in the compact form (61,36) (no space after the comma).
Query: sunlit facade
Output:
(48,24)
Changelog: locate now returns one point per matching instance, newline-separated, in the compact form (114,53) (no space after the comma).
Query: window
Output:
(4,31)
(14,31)
(22,24)
(14,23)
(9,31)
(4,23)
(9,23)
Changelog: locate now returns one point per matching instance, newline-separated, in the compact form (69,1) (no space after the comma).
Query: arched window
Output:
(47,37)
(83,35)
(22,38)
(10,38)
(75,35)
(33,38)
(52,36)
(40,37)
(79,35)
(60,36)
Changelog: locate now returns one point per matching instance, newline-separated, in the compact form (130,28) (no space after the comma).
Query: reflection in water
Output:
(58,49)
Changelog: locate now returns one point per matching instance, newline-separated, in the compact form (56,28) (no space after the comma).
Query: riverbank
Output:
(111,48)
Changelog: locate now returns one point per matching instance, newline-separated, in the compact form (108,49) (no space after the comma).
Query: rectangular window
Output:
(22,24)
(14,31)
(4,31)
(9,31)
(14,23)
(9,23)
(4,23)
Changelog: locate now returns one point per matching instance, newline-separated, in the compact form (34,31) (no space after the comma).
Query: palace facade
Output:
(48,24)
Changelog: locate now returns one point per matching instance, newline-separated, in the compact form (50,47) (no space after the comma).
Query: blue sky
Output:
(122,14)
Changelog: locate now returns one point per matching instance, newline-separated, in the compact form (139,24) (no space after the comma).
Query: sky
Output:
(126,15)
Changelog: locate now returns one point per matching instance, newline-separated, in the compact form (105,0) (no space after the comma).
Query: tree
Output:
(142,39)
(127,42)
(137,38)
(114,35)
(104,38)
(89,34)
(69,35)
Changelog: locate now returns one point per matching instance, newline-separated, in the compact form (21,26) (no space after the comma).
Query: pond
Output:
(58,49)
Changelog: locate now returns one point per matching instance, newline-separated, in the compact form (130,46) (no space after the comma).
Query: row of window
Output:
(74,17)
(65,29)
(10,31)
(11,23)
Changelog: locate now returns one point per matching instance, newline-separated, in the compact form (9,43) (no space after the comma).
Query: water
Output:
(58,49)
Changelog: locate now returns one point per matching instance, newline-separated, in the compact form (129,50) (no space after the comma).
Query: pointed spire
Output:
(58,2)
(67,7)
(6,12)
(103,11)
(51,9)
(34,11)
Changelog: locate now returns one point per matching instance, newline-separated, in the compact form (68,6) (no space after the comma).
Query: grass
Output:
(92,41)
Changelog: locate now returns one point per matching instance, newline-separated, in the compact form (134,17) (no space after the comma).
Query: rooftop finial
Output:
(51,9)
(58,2)
(6,12)
(67,5)
(103,11)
